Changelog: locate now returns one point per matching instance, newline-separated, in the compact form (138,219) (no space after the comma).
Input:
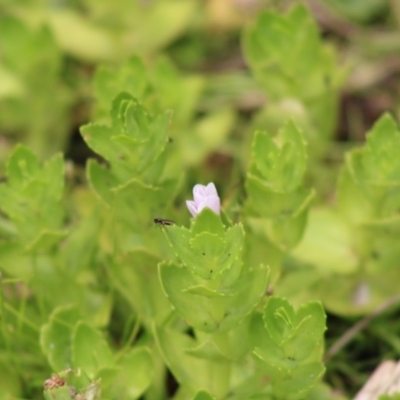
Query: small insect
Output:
(163,222)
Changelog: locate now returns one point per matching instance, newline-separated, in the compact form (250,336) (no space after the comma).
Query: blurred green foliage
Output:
(270,101)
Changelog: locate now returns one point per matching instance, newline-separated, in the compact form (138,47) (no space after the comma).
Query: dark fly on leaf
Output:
(163,222)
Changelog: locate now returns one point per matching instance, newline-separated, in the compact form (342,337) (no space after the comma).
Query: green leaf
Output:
(179,240)
(135,276)
(92,391)
(22,167)
(203,395)
(207,350)
(289,59)
(14,262)
(282,217)
(377,163)
(78,249)
(274,187)
(279,318)
(300,381)
(36,51)
(298,332)
(107,375)
(152,130)
(211,247)
(233,344)
(217,309)
(308,334)
(53,171)
(177,92)
(352,203)
(328,243)
(142,202)
(56,336)
(272,356)
(108,82)
(35,61)
(135,374)
(101,181)
(267,203)
(289,345)
(202,290)
(234,238)
(137,200)
(32,198)
(248,291)
(98,138)
(280,162)
(59,393)
(207,221)
(171,19)
(133,145)
(45,240)
(90,351)
(191,372)
(288,55)
(202,312)
(207,250)
(82,37)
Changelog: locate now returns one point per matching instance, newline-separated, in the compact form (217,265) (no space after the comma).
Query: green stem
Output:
(219,378)
(220,370)
(38,297)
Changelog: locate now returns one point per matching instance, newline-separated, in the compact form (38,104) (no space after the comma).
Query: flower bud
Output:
(204,196)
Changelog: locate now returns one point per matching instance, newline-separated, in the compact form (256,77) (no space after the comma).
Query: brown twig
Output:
(349,335)
(330,20)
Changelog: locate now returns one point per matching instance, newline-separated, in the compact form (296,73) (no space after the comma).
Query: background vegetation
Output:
(70,231)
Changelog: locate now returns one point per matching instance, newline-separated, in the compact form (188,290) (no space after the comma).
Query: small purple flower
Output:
(204,196)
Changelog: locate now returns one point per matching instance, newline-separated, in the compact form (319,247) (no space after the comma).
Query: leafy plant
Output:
(110,288)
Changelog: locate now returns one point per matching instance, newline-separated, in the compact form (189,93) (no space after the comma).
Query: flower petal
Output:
(211,190)
(191,205)
(199,192)
(215,204)
(204,196)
